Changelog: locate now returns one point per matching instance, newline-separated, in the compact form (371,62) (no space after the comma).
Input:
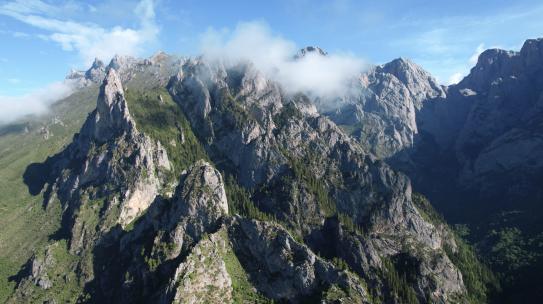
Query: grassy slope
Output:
(25,225)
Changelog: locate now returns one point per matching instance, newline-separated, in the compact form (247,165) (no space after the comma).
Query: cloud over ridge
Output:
(274,56)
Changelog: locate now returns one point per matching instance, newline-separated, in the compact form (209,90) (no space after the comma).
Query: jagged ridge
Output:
(299,168)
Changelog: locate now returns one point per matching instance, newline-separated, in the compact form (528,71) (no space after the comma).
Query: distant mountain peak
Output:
(492,56)
(532,52)
(96,72)
(402,65)
(401,60)
(419,82)
(97,63)
(310,50)
(532,44)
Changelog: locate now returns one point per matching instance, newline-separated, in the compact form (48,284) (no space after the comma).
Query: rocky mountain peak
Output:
(401,62)
(111,109)
(96,72)
(74,74)
(493,57)
(94,75)
(419,82)
(532,52)
(203,173)
(158,57)
(388,95)
(111,87)
(97,63)
(402,66)
(310,50)
(492,65)
(120,61)
(122,64)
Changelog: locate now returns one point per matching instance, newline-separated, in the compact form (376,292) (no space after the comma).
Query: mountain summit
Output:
(310,50)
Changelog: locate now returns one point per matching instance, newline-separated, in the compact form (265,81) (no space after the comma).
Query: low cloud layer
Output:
(34,103)
(273,55)
(87,39)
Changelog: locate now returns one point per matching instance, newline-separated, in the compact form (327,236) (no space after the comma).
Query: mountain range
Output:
(185,180)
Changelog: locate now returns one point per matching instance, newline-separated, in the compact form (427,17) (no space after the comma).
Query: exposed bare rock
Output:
(381,109)
(39,269)
(112,115)
(487,131)
(125,65)
(94,75)
(196,207)
(97,71)
(109,153)
(310,50)
(284,269)
(203,277)
(236,126)
(45,132)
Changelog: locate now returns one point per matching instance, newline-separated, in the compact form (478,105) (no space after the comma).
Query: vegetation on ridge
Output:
(159,117)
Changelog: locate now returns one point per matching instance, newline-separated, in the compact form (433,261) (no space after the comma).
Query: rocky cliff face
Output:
(307,172)
(284,204)
(501,130)
(479,137)
(478,159)
(107,176)
(381,109)
(486,130)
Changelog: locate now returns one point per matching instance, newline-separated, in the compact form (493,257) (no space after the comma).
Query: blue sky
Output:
(41,40)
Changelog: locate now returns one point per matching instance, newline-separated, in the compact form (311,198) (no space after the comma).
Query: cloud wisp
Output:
(34,103)
(273,55)
(87,39)
(465,69)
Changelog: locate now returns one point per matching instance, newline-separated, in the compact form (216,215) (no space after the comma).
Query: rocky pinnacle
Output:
(111,110)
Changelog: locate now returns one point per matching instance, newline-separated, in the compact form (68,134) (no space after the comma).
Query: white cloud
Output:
(462,69)
(273,55)
(89,40)
(34,103)
(30,7)
(455,78)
